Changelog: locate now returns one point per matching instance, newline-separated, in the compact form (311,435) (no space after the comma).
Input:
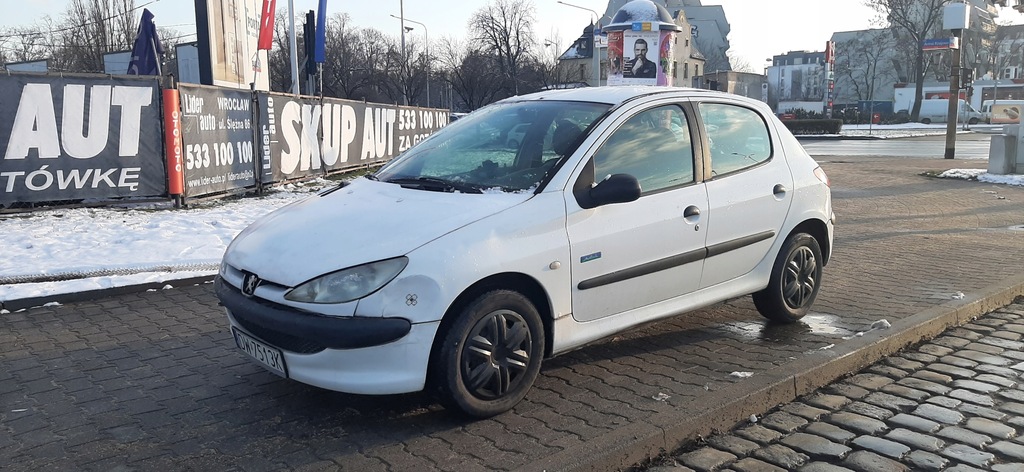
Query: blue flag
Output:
(147,50)
(321,32)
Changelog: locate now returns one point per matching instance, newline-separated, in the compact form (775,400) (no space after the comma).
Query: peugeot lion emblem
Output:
(249,284)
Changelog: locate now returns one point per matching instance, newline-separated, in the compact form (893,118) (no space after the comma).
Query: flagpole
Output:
(294,48)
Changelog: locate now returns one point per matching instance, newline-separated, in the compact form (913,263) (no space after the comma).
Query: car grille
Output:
(284,341)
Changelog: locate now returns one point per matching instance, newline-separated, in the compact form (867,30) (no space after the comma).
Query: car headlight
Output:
(348,284)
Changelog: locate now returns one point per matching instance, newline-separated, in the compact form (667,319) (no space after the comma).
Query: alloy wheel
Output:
(496,354)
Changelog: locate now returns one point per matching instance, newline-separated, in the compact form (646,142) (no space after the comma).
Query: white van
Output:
(935,110)
(1002,111)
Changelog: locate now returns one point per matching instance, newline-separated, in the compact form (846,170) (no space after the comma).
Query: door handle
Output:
(779,189)
(691,211)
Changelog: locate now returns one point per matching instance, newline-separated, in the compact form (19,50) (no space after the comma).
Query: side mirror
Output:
(617,188)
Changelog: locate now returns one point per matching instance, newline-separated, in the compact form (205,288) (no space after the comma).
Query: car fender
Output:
(440,271)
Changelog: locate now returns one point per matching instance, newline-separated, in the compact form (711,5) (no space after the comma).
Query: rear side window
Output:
(654,146)
(737,137)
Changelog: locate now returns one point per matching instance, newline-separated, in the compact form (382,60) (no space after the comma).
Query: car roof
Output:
(613,95)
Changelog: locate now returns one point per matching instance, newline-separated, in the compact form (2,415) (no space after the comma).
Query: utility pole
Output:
(405,58)
(953,112)
(956,17)
(426,37)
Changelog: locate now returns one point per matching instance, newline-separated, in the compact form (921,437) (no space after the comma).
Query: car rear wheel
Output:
(972,121)
(795,280)
(513,144)
(926,121)
(490,355)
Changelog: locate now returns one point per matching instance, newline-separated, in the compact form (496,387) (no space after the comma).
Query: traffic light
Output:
(966,77)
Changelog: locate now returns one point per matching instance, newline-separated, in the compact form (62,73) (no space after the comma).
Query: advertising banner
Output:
(1006,114)
(70,138)
(229,34)
(299,137)
(217,135)
(638,61)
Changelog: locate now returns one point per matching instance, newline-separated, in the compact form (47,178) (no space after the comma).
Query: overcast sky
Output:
(760,28)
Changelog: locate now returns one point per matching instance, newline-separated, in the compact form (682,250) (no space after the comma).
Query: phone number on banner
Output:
(201,156)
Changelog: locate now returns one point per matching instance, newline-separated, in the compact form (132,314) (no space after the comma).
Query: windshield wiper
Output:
(436,184)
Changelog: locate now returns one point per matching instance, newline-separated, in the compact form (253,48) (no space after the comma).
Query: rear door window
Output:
(738,137)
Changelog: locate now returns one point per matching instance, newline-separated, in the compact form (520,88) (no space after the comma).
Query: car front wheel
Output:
(491,355)
(795,280)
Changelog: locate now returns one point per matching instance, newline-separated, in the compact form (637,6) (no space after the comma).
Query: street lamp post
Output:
(405,58)
(595,50)
(426,37)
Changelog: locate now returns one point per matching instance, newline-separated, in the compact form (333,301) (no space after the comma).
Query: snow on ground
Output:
(95,248)
(122,247)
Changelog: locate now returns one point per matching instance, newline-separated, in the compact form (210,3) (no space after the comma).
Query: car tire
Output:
(926,121)
(513,144)
(795,280)
(972,121)
(490,355)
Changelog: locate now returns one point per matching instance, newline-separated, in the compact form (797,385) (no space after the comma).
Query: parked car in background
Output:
(516,135)
(459,266)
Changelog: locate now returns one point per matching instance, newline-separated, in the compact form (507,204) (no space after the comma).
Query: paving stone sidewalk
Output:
(954,404)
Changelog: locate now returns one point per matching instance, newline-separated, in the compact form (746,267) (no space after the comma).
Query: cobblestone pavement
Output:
(152,380)
(955,403)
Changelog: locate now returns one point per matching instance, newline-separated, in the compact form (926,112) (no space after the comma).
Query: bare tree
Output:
(471,74)
(505,27)
(863,64)
(346,75)
(553,72)
(97,27)
(715,57)
(279,57)
(917,20)
(740,64)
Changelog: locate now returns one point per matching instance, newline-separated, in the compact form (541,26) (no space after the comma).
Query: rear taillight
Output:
(820,174)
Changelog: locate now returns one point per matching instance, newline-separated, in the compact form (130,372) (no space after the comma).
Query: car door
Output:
(749,190)
(628,255)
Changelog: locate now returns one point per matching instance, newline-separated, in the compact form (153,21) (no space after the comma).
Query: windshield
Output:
(506,147)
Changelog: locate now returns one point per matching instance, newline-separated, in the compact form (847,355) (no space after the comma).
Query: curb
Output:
(65,298)
(635,443)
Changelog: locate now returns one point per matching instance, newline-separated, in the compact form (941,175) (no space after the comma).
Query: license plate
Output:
(269,357)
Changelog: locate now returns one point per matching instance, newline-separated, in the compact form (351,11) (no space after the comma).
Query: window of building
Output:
(686,70)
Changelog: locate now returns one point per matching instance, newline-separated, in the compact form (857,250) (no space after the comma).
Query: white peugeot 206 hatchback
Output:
(463,263)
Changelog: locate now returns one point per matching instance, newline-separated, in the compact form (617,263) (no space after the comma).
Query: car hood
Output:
(363,222)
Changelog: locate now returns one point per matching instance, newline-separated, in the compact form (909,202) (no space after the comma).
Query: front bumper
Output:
(303,332)
(369,356)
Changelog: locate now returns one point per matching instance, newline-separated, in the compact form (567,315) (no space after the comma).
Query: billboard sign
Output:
(66,138)
(300,137)
(1006,114)
(228,54)
(217,139)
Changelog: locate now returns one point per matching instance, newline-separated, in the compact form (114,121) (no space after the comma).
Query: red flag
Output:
(267,25)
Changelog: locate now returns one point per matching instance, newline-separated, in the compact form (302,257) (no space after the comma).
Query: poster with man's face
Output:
(640,64)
